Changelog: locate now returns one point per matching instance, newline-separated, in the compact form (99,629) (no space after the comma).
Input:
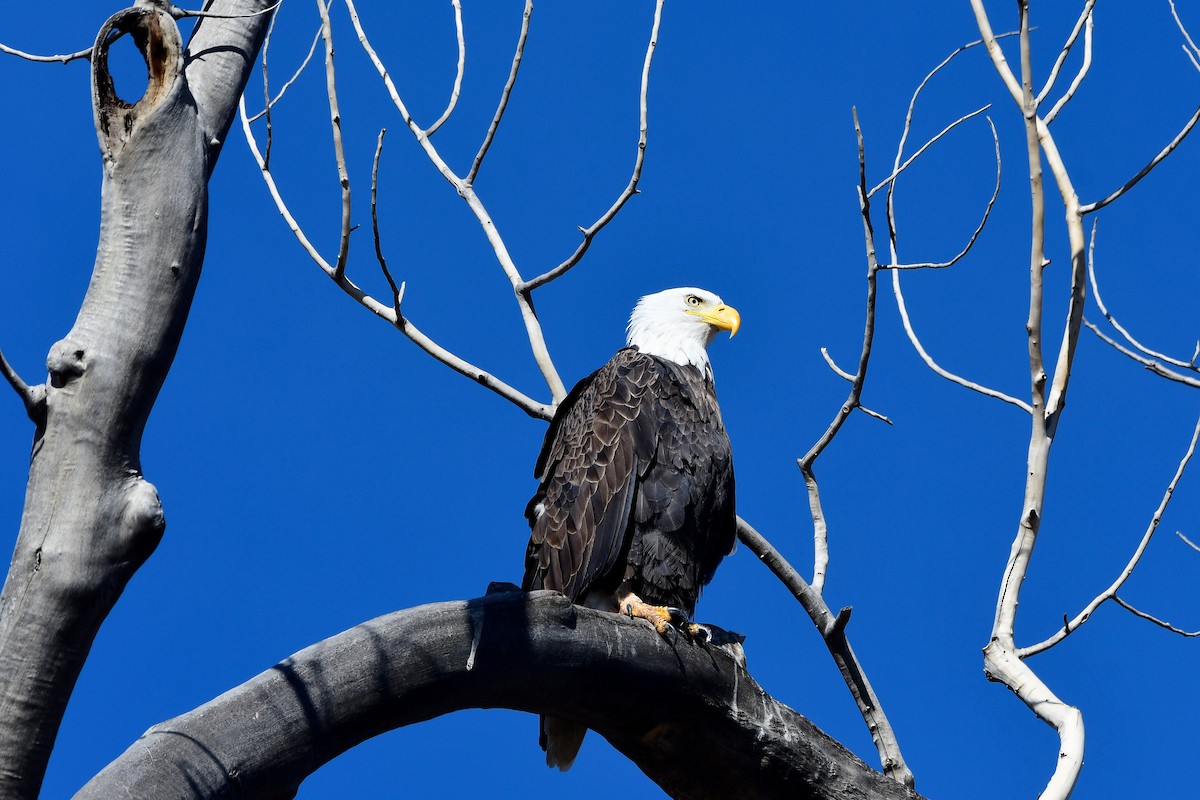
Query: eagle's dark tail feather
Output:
(561,739)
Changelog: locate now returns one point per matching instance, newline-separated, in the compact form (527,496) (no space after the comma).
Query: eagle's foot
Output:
(667,620)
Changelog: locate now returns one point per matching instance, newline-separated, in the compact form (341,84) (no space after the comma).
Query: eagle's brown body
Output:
(635,497)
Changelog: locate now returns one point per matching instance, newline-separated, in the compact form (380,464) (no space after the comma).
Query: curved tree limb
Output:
(693,720)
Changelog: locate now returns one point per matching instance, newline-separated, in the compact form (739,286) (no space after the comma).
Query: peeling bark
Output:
(688,715)
(90,518)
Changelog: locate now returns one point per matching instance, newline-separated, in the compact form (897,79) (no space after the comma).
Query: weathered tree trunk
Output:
(90,518)
(692,719)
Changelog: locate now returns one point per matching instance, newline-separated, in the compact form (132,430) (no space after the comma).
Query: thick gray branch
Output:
(688,716)
(90,518)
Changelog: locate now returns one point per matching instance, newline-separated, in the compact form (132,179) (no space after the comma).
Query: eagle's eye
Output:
(693,300)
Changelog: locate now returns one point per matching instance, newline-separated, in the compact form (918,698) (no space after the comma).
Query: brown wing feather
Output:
(588,469)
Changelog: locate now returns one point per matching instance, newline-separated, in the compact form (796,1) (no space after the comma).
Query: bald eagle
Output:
(634,508)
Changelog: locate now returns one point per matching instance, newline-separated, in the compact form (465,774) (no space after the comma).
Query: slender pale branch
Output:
(533,328)
(1111,592)
(833,630)
(1148,363)
(1113,320)
(1150,618)
(590,232)
(271,102)
(339,152)
(463,367)
(1083,68)
(838,370)
(920,150)
(183,13)
(1001,662)
(1084,19)
(458,77)
(62,59)
(902,306)
(987,213)
(508,87)
(1188,541)
(1154,162)
(1191,49)
(853,400)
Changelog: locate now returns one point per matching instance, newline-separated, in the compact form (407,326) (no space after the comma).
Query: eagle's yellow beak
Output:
(724,317)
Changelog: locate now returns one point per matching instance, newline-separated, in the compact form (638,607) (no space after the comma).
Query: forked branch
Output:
(1110,593)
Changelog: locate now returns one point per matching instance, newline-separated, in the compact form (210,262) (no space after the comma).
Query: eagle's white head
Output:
(678,324)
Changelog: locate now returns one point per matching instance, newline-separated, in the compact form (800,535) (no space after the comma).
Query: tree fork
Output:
(90,519)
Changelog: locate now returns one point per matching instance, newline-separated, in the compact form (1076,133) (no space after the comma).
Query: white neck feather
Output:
(680,338)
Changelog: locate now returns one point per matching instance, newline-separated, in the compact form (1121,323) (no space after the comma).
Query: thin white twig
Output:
(288,84)
(1111,592)
(1113,320)
(533,328)
(339,152)
(458,78)
(1154,162)
(1084,17)
(1083,69)
(1150,618)
(508,87)
(896,172)
(181,13)
(589,233)
(1191,49)
(1148,363)
(840,372)
(937,368)
(62,59)
(987,213)
(1188,541)
(530,406)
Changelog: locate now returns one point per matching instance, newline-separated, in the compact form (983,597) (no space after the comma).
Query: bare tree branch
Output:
(1148,363)
(339,152)
(62,59)
(530,406)
(533,328)
(920,150)
(271,102)
(1113,321)
(838,370)
(1111,592)
(1087,19)
(33,397)
(833,630)
(458,77)
(902,306)
(1001,661)
(1188,541)
(1155,620)
(1154,162)
(820,540)
(590,232)
(508,87)
(512,650)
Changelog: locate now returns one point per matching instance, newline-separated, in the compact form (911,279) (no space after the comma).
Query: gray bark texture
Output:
(90,518)
(687,714)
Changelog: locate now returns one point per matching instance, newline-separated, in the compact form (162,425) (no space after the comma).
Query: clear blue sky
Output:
(317,470)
